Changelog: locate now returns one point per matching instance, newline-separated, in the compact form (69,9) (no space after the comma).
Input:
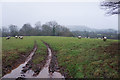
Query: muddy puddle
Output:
(17,72)
(24,70)
(45,71)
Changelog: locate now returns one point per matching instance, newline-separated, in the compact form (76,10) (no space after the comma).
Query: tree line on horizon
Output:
(52,28)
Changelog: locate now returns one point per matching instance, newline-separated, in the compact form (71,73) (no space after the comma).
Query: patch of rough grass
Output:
(40,53)
(84,57)
(39,58)
(14,51)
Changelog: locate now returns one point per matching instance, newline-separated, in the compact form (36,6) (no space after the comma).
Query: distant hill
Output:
(84,28)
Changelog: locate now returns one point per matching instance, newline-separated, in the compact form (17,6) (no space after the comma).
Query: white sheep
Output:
(104,38)
(21,37)
(79,37)
(16,37)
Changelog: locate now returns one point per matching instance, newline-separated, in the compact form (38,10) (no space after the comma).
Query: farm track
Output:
(24,70)
(51,69)
(22,57)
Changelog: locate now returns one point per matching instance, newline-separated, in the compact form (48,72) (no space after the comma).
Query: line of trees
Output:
(51,28)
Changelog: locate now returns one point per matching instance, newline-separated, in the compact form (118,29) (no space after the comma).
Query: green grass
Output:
(17,44)
(39,58)
(79,57)
(40,53)
(13,48)
(84,57)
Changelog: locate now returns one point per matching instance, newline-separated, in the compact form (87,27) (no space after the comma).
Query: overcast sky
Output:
(65,13)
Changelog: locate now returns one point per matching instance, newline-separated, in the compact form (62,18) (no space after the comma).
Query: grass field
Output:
(85,57)
(79,58)
(11,49)
(15,51)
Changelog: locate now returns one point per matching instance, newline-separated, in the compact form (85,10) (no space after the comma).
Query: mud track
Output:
(54,65)
(22,57)
(49,70)
(22,68)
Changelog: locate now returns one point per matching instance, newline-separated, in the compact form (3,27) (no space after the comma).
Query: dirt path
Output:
(22,68)
(48,70)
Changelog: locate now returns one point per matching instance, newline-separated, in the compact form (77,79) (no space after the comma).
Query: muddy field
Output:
(60,57)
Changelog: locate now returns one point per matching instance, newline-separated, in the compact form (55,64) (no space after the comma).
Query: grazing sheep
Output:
(104,38)
(16,37)
(8,37)
(21,37)
(79,37)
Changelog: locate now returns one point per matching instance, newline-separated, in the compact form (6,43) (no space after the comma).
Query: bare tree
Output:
(38,25)
(13,30)
(52,24)
(112,6)
(38,28)
(26,30)
(5,31)
(46,30)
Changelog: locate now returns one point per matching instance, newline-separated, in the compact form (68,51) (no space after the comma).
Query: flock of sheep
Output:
(104,38)
(20,37)
(79,37)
